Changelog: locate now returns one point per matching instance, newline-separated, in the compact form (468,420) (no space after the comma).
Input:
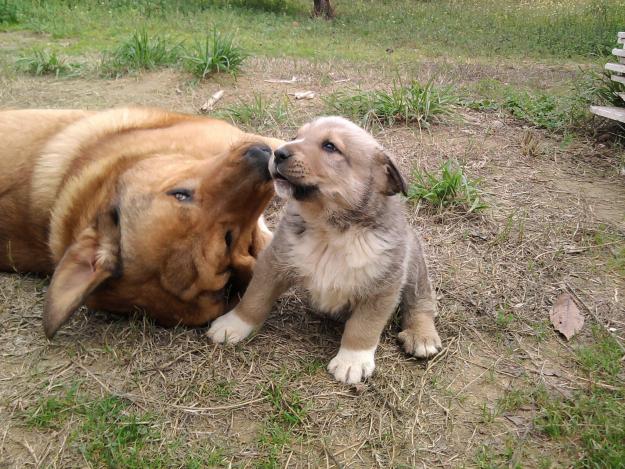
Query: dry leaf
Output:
(303,94)
(565,316)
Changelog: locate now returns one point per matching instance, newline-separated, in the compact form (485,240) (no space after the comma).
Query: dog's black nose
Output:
(281,154)
(258,157)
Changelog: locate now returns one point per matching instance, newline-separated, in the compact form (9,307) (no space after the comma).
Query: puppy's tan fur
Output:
(98,200)
(346,240)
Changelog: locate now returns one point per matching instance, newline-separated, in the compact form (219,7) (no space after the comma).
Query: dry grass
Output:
(269,402)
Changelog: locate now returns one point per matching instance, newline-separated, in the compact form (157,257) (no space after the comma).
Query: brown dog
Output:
(345,239)
(132,208)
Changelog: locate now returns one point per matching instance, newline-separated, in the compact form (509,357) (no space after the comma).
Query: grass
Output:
(470,28)
(40,62)
(106,432)
(217,53)
(449,189)
(289,411)
(8,12)
(140,52)
(257,113)
(593,419)
(411,104)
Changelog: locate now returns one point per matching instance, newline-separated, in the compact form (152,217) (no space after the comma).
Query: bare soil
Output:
(536,240)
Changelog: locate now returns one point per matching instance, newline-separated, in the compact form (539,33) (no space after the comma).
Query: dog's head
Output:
(180,233)
(334,162)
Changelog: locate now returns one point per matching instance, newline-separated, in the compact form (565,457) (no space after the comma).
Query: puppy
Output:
(345,239)
(132,208)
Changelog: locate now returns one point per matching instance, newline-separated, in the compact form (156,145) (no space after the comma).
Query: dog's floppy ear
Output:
(395,182)
(88,262)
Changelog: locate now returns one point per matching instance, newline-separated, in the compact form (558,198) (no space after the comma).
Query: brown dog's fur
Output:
(132,208)
(345,239)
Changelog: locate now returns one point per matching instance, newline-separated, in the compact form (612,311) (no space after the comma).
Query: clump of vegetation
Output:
(8,13)
(542,110)
(140,52)
(289,411)
(594,418)
(217,53)
(257,113)
(108,433)
(450,188)
(44,62)
(414,103)
(599,88)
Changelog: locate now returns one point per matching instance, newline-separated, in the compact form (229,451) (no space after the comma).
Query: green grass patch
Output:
(8,12)
(289,412)
(216,53)
(40,62)
(601,359)
(450,188)
(470,28)
(411,104)
(257,113)
(107,432)
(594,419)
(289,408)
(140,52)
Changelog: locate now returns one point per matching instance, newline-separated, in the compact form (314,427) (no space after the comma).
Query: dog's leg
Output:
(418,307)
(355,359)
(266,286)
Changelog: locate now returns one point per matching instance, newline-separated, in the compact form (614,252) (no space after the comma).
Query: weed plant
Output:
(451,188)
(140,52)
(217,53)
(412,104)
(40,61)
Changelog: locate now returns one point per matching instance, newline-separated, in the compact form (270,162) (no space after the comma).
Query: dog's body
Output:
(132,208)
(346,240)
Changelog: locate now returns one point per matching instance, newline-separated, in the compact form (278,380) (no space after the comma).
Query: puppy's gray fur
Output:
(345,239)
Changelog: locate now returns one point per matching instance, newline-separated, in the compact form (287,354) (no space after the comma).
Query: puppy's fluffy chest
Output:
(338,267)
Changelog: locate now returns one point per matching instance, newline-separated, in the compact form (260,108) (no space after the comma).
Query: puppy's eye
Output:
(181,195)
(228,238)
(329,147)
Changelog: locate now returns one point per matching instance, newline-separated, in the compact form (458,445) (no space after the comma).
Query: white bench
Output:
(618,74)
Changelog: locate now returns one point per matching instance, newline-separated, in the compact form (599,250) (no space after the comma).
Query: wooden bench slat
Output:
(622,95)
(619,68)
(621,35)
(617,78)
(614,113)
(618,52)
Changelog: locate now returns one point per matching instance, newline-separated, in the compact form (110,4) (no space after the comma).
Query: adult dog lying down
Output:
(132,208)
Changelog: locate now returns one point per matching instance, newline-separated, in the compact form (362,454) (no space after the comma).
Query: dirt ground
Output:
(496,275)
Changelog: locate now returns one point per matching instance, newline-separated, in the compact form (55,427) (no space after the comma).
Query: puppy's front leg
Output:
(266,285)
(355,360)
(418,307)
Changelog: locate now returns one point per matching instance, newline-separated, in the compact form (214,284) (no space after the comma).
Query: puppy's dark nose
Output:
(281,154)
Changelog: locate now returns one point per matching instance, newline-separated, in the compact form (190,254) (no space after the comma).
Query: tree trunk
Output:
(323,8)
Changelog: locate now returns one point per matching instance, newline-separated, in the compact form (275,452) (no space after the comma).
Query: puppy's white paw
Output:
(229,328)
(352,366)
(420,344)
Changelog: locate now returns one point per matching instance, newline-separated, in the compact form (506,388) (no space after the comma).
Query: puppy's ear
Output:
(88,262)
(395,182)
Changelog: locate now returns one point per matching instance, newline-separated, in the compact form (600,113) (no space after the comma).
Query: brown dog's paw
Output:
(420,344)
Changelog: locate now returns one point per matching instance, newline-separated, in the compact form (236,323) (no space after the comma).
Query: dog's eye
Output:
(329,147)
(228,238)
(181,195)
